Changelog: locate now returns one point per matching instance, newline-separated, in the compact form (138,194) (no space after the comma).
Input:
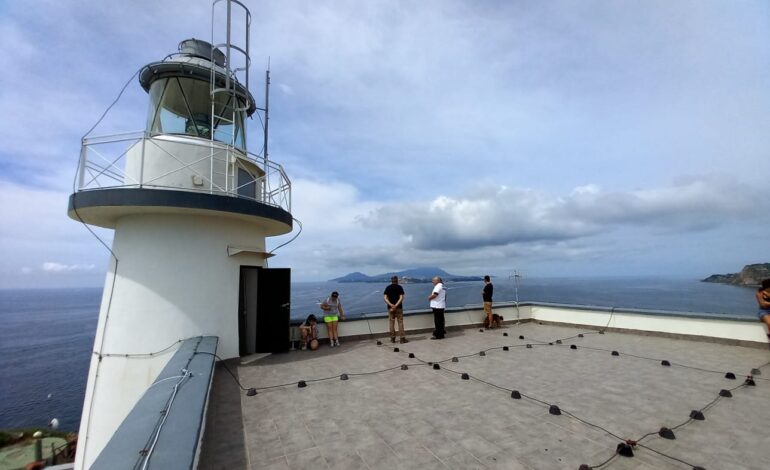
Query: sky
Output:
(555,138)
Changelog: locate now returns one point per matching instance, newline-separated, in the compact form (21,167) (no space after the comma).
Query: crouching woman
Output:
(308,331)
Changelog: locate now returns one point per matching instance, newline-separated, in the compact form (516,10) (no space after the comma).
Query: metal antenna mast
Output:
(516,277)
(267,106)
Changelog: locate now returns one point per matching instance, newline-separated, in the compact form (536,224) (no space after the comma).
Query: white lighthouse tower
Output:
(190,208)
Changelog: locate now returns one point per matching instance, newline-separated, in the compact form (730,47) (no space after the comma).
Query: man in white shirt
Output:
(438,304)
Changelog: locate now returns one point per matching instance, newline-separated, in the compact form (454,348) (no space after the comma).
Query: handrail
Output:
(121,161)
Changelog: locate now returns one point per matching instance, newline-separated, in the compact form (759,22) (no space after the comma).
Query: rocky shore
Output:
(750,275)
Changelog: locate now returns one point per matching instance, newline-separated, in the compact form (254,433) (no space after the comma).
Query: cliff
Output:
(750,275)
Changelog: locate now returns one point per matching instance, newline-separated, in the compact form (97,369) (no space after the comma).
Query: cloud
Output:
(687,206)
(503,216)
(38,239)
(52,267)
(385,113)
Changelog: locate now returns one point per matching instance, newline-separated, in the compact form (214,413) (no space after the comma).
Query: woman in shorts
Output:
(333,313)
(763,299)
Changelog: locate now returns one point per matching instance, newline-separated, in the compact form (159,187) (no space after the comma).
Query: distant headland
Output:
(750,275)
(413,276)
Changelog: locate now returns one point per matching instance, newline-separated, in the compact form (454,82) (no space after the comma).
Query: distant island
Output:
(750,275)
(408,276)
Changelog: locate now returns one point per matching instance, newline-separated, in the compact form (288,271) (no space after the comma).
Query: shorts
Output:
(762,312)
(488,308)
(331,318)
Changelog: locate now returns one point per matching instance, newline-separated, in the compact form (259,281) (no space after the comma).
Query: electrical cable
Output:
(222,362)
(112,253)
(612,312)
(164,415)
(269,387)
(145,454)
(292,238)
(668,456)
(151,354)
(113,103)
(371,333)
(529,397)
(684,366)
(568,413)
(605,462)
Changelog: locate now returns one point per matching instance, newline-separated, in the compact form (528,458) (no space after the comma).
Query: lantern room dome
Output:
(194,60)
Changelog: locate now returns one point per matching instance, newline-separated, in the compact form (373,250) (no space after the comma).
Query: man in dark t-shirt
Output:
(486,295)
(394,298)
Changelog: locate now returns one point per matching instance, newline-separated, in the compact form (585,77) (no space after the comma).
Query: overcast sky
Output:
(558,138)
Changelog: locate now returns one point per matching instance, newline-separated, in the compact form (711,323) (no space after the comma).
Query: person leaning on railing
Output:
(333,313)
(763,299)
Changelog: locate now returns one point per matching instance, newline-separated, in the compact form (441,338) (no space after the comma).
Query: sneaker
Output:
(392,339)
(403,340)
(331,343)
(303,347)
(338,342)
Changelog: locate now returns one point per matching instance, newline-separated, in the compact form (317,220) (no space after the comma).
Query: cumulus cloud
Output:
(382,112)
(52,267)
(505,215)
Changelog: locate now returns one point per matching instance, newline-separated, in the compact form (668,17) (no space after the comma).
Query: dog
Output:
(497,321)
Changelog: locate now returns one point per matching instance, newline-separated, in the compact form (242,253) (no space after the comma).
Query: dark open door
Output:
(264,308)
(273,309)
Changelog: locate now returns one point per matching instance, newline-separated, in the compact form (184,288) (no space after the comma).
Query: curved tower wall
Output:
(174,280)
(189,208)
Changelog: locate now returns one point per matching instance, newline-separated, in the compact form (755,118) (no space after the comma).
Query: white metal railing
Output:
(180,163)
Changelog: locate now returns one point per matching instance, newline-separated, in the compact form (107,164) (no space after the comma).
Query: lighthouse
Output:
(191,208)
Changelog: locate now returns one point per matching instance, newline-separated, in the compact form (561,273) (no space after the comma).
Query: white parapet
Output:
(724,328)
(711,326)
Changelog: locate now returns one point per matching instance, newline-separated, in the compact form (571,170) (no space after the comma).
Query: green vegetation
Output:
(14,436)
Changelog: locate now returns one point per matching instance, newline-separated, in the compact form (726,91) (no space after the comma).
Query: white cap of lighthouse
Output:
(191,209)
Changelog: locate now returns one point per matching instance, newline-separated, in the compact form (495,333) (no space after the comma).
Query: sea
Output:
(46,335)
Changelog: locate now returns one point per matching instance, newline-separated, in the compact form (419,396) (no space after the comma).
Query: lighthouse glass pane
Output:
(247,186)
(170,112)
(228,124)
(183,106)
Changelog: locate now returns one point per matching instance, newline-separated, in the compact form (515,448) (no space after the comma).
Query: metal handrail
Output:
(99,169)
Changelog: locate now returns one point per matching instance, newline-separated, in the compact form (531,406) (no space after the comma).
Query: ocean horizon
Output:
(47,338)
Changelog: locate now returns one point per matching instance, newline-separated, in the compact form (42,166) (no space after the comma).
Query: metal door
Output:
(264,308)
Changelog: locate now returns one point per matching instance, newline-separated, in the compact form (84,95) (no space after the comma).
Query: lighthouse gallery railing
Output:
(180,163)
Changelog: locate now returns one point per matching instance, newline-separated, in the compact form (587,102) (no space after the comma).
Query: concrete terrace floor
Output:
(423,418)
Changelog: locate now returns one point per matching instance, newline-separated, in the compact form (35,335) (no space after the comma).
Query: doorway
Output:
(264,308)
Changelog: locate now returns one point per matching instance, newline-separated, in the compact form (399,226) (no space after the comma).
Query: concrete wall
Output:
(748,329)
(729,329)
(174,281)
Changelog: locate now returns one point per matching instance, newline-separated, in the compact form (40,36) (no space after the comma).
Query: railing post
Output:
(211,159)
(82,166)
(141,166)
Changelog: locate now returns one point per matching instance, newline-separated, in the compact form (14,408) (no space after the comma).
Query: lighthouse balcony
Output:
(174,172)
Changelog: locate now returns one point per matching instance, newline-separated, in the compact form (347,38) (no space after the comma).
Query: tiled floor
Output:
(423,418)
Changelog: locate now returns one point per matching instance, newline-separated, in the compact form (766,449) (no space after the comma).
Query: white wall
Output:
(174,280)
(682,325)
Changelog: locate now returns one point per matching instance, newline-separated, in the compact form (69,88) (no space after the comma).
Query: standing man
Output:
(394,297)
(438,304)
(486,295)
